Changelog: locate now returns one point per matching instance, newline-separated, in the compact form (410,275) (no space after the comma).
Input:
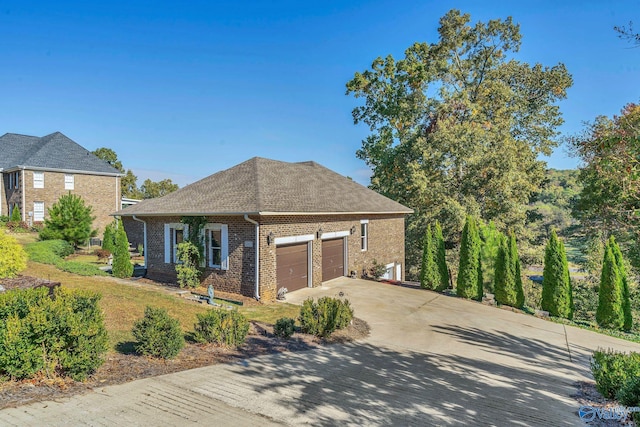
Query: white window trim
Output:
(38,183)
(294,239)
(35,211)
(169,239)
(224,245)
(364,238)
(334,234)
(70,183)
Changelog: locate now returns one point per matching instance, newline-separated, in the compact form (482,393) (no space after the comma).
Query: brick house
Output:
(36,171)
(272,224)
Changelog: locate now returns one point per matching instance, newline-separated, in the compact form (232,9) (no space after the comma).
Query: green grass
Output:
(53,252)
(269,313)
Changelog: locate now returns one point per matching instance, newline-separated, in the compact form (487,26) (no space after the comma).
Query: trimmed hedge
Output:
(41,335)
(158,334)
(223,327)
(612,369)
(53,252)
(324,317)
(284,327)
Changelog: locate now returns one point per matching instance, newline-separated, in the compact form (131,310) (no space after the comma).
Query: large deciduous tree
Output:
(457,126)
(610,199)
(129,182)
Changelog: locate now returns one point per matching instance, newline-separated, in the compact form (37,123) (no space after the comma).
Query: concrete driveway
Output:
(430,360)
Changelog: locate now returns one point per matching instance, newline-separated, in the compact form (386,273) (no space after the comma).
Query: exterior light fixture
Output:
(270,238)
(319,233)
(353,230)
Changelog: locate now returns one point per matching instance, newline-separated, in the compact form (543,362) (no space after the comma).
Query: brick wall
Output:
(102,193)
(10,197)
(239,278)
(385,245)
(134,230)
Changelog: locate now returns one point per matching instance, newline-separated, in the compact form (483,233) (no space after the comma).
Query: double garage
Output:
(294,262)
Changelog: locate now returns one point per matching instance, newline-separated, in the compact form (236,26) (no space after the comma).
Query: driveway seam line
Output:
(566,340)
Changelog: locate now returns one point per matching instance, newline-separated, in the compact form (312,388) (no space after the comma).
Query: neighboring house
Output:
(36,171)
(272,224)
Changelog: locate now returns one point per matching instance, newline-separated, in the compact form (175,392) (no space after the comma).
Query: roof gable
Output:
(270,187)
(54,151)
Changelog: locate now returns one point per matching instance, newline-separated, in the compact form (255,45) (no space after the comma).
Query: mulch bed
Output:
(124,366)
(27,282)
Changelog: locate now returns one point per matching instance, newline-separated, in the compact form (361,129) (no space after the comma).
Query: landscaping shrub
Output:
(377,270)
(284,327)
(18,226)
(4,219)
(13,259)
(324,317)
(224,327)
(53,251)
(121,266)
(61,335)
(507,277)
(612,369)
(102,254)
(610,312)
(158,334)
(629,393)
(109,237)
(16,215)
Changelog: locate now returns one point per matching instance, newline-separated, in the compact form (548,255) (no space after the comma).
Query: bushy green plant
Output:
(324,317)
(109,237)
(470,282)
(121,266)
(284,327)
(224,327)
(53,251)
(377,270)
(508,281)
(629,393)
(69,219)
(557,293)
(4,219)
(13,258)
(61,335)
(157,334)
(610,298)
(612,369)
(490,238)
(16,215)
(624,285)
(434,273)
(187,270)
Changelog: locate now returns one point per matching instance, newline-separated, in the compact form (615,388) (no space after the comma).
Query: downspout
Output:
(24,199)
(257,291)
(144,224)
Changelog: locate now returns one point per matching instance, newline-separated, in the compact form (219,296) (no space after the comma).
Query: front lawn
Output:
(123,304)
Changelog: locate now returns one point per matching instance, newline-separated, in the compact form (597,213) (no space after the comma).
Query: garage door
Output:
(292,271)
(332,259)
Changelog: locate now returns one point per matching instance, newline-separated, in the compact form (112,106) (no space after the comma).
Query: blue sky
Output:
(184,89)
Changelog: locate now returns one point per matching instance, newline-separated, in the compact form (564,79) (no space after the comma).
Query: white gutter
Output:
(257,291)
(144,238)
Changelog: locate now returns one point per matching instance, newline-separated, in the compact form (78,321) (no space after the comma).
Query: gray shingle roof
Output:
(269,187)
(55,151)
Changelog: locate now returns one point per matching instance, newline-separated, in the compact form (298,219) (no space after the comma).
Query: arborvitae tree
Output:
(122,266)
(491,240)
(469,283)
(69,219)
(610,313)
(109,238)
(557,296)
(16,216)
(429,278)
(441,258)
(626,297)
(504,275)
(517,278)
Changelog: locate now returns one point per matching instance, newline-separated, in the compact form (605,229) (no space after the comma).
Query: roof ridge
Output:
(257,184)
